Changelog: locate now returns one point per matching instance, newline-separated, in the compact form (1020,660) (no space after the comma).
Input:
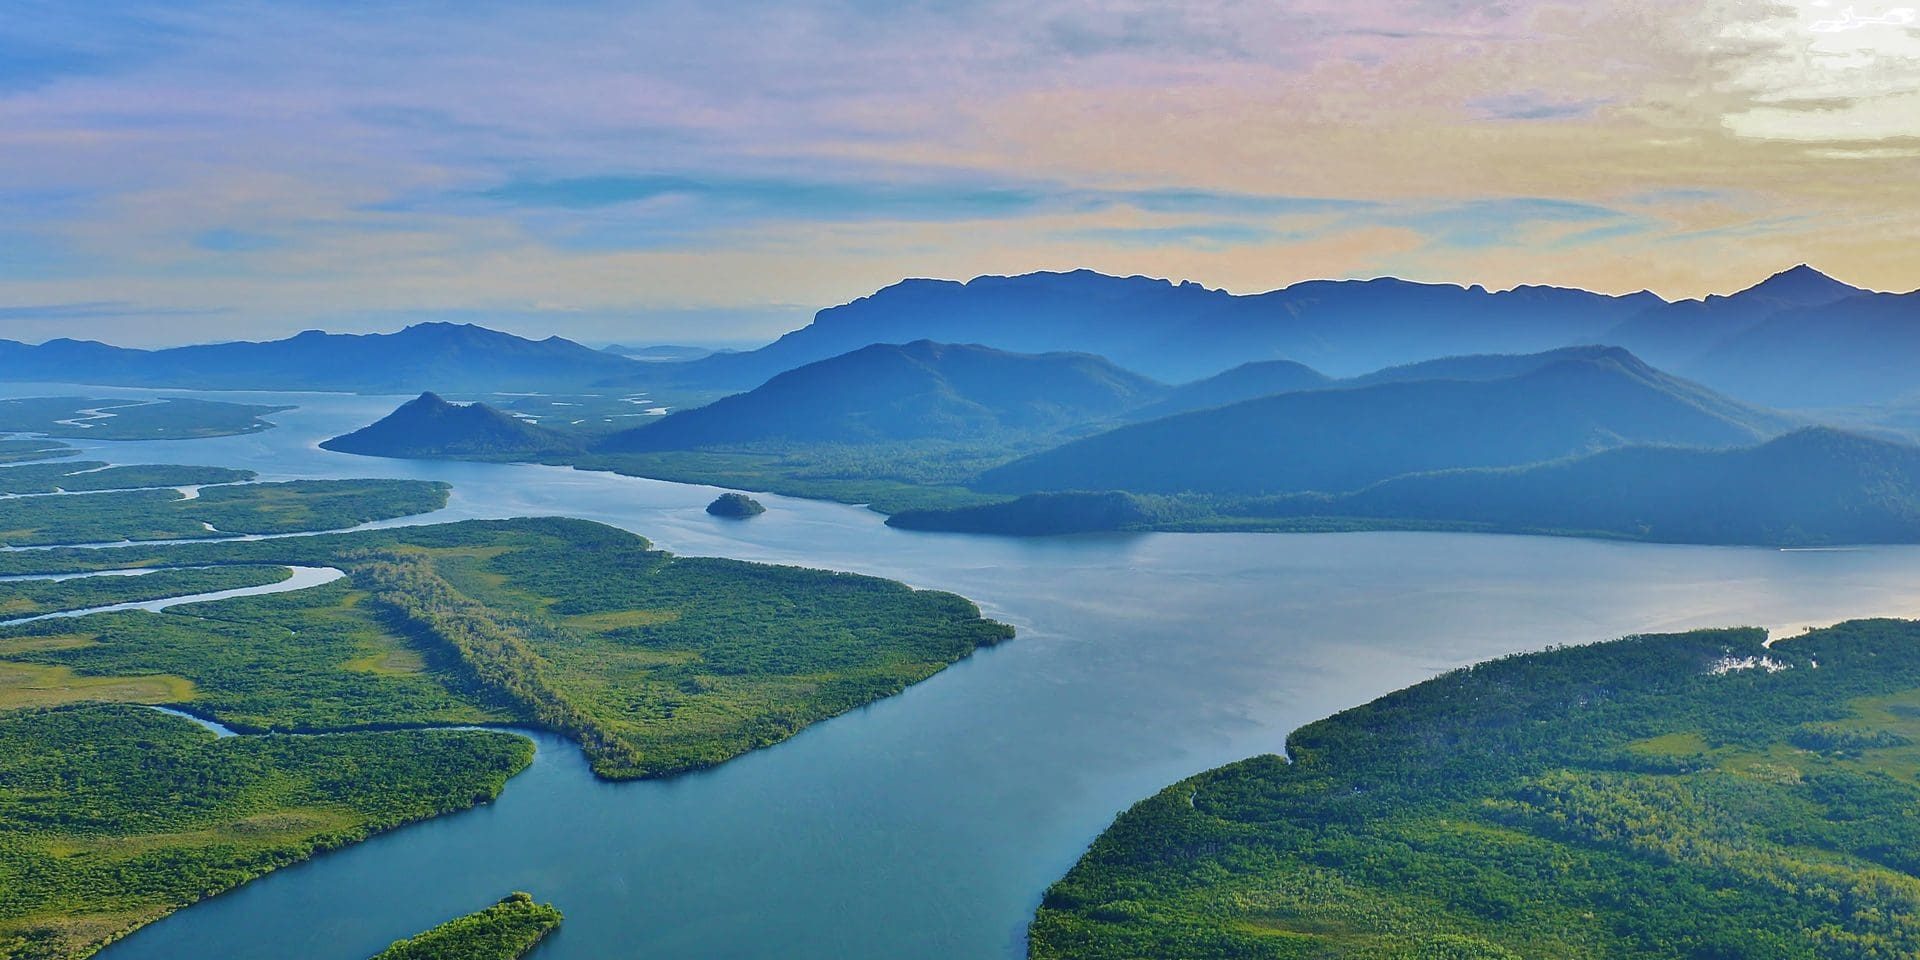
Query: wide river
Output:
(927,825)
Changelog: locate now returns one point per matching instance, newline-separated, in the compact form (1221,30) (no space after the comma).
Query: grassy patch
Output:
(34,685)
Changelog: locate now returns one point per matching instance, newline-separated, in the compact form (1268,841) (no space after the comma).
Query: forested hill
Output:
(889,392)
(1343,439)
(428,426)
(1815,486)
(439,356)
(1696,795)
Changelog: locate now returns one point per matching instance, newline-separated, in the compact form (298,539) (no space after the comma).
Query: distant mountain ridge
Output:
(428,427)
(439,356)
(1341,439)
(1180,332)
(893,392)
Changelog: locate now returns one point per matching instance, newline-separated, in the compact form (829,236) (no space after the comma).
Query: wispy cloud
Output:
(584,161)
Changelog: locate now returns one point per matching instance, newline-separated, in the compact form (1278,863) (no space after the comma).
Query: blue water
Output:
(928,825)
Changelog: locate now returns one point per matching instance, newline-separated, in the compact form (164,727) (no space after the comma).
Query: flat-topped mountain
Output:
(428,426)
(890,392)
(1179,332)
(1341,439)
(443,356)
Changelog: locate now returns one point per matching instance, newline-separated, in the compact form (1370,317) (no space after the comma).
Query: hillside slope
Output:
(889,392)
(1342,439)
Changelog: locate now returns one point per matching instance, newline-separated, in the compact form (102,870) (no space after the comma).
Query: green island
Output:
(1690,795)
(172,418)
(35,597)
(655,663)
(81,476)
(738,506)
(29,449)
(508,930)
(112,816)
(256,508)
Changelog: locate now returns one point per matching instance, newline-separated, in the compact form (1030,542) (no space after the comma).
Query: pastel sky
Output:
(175,171)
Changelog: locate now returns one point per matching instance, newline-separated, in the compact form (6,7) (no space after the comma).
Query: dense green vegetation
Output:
(86,475)
(26,449)
(113,816)
(656,663)
(736,505)
(26,598)
(164,419)
(1693,795)
(291,507)
(507,930)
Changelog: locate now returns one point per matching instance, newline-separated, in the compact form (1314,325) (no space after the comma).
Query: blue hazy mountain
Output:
(890,392)
(1332,440)
(439,356)
(1860,350)
(428,427)
(1245,382)
(1182,332)
(1675,335)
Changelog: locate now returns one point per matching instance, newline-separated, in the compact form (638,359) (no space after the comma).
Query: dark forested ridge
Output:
(1342,439)
(1815,486)
(428,426)
(920,390)
(1694,795)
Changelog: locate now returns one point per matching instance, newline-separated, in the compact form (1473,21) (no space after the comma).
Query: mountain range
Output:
(1797,339)
(1181,332)
(440,356)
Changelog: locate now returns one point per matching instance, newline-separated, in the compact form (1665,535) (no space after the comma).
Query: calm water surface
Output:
(928,825)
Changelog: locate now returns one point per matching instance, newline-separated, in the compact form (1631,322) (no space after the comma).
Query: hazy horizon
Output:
(603,171)
(539,326)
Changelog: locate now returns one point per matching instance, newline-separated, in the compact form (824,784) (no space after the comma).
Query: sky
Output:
(664,172)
